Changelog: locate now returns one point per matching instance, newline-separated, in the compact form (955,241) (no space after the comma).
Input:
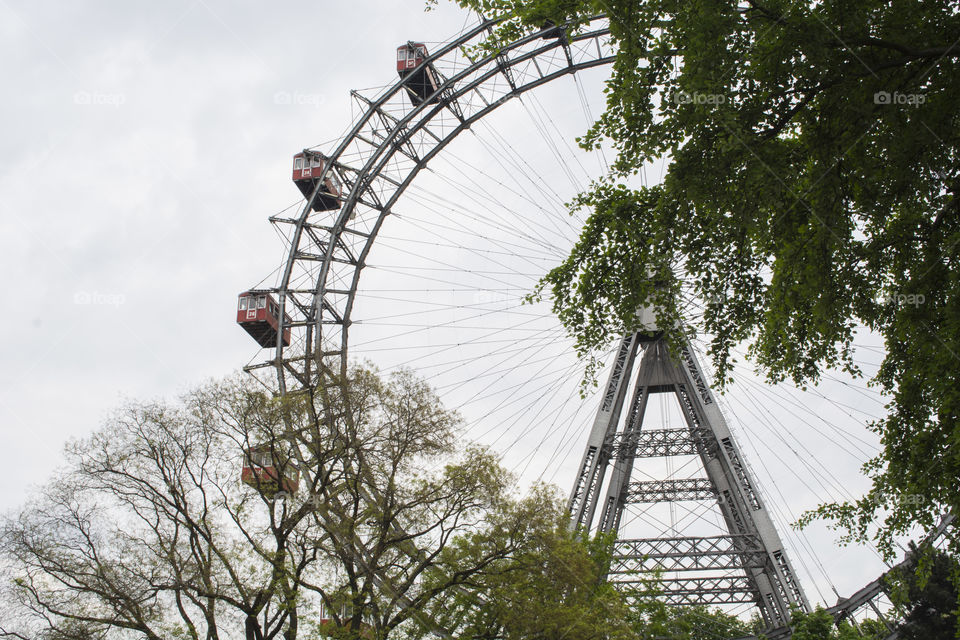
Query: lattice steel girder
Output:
(586,488)
(671,490)
(693,591)
(872,592)
(776,582)
(657,443)
(618,489)
(687,554)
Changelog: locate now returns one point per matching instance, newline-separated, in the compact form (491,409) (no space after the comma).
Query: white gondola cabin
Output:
(259,315)
(308,166)
(422,82)
(267,473)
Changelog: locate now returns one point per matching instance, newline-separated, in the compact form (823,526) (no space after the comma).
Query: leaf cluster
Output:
(810,194)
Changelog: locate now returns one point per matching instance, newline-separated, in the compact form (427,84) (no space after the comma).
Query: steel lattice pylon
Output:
(745,564)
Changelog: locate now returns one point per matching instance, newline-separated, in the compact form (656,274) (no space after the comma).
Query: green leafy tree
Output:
(366,511)
(658,620)
(817,625)
(811,189)
(553,589)
(925,587)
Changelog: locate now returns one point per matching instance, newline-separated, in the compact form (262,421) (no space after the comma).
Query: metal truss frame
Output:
(731,552)
(749,564)
(698,591)
(652,491)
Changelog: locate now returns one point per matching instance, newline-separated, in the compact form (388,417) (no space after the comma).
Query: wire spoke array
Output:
(451,244)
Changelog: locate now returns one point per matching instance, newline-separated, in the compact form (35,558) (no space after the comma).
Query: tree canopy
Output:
(924,585)
(810,194)
(358,513)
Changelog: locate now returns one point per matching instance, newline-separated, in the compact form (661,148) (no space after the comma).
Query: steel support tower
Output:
(743,560)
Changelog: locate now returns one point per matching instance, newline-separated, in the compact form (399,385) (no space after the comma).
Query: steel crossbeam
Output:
(671,490)
(687,554)
(657,443)
(693,591)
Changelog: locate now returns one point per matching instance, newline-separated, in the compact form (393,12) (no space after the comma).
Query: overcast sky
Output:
(143,147)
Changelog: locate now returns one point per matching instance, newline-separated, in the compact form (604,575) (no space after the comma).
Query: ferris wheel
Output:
(430,198)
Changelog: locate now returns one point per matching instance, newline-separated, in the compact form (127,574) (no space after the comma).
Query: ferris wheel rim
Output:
(489,67)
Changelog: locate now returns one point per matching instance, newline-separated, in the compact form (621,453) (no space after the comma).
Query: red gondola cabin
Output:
(308,166)
(266,474)
(258,313)
(423,83)
(329,626)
